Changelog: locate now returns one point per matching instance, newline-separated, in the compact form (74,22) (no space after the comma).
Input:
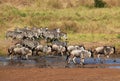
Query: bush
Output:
(99,3)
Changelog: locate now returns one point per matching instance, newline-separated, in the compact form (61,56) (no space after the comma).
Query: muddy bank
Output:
(47,74)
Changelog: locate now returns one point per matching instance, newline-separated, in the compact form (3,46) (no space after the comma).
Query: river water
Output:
(58,62)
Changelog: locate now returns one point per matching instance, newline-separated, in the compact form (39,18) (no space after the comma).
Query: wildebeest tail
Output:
(114,49)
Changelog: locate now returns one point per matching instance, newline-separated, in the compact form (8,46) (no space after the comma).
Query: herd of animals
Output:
(29,44)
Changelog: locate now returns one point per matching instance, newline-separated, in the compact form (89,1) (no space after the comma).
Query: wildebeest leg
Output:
(81,61)
(27,56)
(107,56)
(11,56)
(70,58)
(10,53)
(67,57)
(95,57)
(114,60)
(19,57)
(98,56)
(74,60)
(61,53)
(36,53)
(103,59)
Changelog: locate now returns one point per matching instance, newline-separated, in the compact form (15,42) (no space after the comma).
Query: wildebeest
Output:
(104,51)
(82,54)
(43,50)
(59,49)
(19,50)
(38,49)
(47,50)
(75,47)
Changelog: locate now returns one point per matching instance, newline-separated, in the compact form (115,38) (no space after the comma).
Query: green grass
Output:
(82,23)
(81,38)
(105,20)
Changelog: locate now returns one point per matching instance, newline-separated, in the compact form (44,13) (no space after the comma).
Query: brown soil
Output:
(61,74)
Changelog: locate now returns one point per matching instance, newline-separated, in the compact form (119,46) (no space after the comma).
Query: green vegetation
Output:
(99,3)
(82,23)
(92,37)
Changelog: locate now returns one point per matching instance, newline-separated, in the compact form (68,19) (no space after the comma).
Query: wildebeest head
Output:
(109,50)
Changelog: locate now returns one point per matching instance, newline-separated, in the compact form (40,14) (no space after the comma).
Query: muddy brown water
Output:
(58,62)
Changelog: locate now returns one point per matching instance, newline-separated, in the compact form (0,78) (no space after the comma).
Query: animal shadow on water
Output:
(41,62)
(75,65)
(55,62)
(15,63)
